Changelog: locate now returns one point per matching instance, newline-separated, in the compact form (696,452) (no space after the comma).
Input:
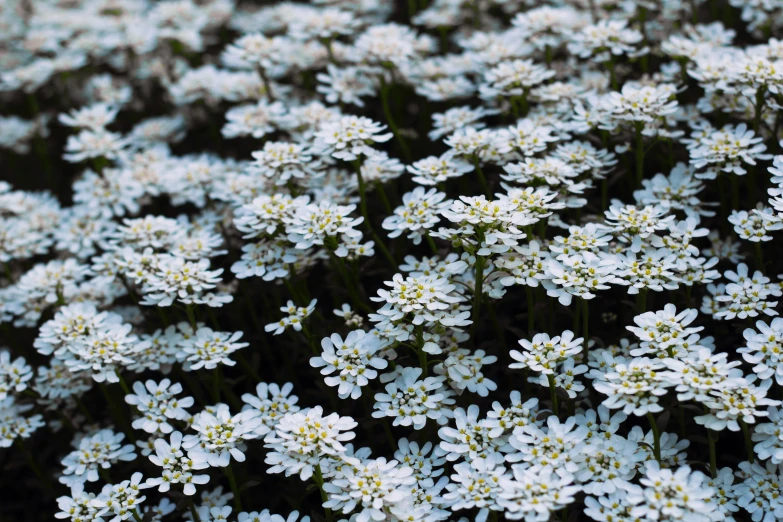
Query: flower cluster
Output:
(391,262)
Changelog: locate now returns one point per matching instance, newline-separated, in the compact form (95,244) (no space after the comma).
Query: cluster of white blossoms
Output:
(391,261)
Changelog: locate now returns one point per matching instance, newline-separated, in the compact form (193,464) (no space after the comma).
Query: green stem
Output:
(656,437)
(531,318)
(390,120)
(368,225)
(639,154)
(758,106)
(748,441)
(319,480)
(431,243)
(478,289)
(420,350)
(123,384)
(585,326)
(117,412)
(713,456)
(382,194)
(216,378)
(641,301)
(267,85)
(481,177)
(759,255)
(191,317)
(193,510)
(43,478)
(234,489)
(553,393)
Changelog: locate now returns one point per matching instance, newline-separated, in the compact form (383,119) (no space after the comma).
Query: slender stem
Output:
(310,340)
(478,289)
(191,317)
(249,370)
(136,516)
(357,303)
(713,457)
(193,510)
(390,120)
(585,332)
(531,317)
(123,384)
(748,441)
(234,489)
(420,350)
(656,437)
(641,301)
(117,413)
(553,393)
(368,225)
(481,177)
(382,194)
(46,482)
(216,378)
(758,106)
(759,255)
(267,84)
(431,243)
(319,480)
(639,154)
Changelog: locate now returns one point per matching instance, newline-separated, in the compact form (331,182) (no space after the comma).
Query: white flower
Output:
(607,37)
(177,466)
(471,438)
(322,224)
(764,349)
(271,402)
(746,295)
(578,275)
(420,211)
(354,359)
(282,161)
(555,446)
(673,495)
(188,282)
(433,170)
(158,404)
(294,319)
(13,374)
(769,437)
(411,400)
(737,404)
(759,493)
(664,330)
(349,138)
(368,487)
(14,425)
(513,78)
(425,298)
(476,485)
(534,495)
(301,439)
(78,506)
(95,143)
(207,349)
(632,224)
(636,386)
(121,499)
(542,354)
(94,452)
(220,435)
(727,150)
